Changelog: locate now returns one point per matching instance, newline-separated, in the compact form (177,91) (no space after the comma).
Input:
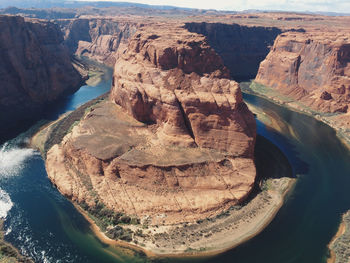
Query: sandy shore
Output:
(208,237)
(8,253)
(344,244)
(338,122)
(340,232)
(40,136)
(106,240)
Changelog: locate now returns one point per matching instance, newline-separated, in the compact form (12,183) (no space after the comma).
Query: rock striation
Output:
(183,86)
(97,38)
(35,69)
(312,68)
(175,141)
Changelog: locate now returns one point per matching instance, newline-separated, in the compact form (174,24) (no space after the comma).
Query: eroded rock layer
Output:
(313,68)
(174,143)
(97,38)
(35,69)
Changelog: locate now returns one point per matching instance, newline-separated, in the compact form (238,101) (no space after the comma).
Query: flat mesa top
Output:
(108,132)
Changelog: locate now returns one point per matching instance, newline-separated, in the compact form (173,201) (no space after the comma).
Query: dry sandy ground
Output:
(212,235)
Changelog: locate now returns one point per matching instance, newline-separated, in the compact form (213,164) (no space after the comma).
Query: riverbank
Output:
(338,121)
(210,236)
(340,244)
(8,253)
(105,239)
(52,133)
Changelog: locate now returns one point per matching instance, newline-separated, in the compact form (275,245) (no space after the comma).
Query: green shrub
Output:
(125,219)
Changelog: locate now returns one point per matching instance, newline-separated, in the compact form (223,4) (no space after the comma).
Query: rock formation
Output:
(97,38)
(313,68)
(35,69)
(173,144)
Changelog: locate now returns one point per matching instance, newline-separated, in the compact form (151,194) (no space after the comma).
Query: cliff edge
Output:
(311,68)
(35,69)
(97,38)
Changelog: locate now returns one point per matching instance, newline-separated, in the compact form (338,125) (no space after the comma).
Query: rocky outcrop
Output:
(175,142)
(98,39)
(313,68)
(183,85)
(242,48)
(35,69)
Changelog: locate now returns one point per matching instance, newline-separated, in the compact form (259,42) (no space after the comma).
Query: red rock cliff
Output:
(313,68)
(97,38)
(35,69)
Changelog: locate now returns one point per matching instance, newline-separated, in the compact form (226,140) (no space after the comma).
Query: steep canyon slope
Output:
(310,68)
(175,141)
(35,69)
(310,71)
(97,38)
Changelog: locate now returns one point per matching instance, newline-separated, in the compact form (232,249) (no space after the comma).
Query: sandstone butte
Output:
(35,69)
(175,141)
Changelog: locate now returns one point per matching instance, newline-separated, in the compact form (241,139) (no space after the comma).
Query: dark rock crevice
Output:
(242,48)
(187,122)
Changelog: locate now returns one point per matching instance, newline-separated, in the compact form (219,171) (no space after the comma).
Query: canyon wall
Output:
(35,69)
(97,38)
(312,68)
(174,143)
(242,48)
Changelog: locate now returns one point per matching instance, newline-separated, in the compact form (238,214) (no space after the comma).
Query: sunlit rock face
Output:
(313,68)
(97,38)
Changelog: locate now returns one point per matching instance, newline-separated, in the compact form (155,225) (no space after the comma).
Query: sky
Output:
(342,6)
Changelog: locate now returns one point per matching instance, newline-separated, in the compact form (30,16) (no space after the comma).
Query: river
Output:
(46,226)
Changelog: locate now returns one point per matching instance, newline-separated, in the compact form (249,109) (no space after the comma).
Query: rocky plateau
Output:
(172,89)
